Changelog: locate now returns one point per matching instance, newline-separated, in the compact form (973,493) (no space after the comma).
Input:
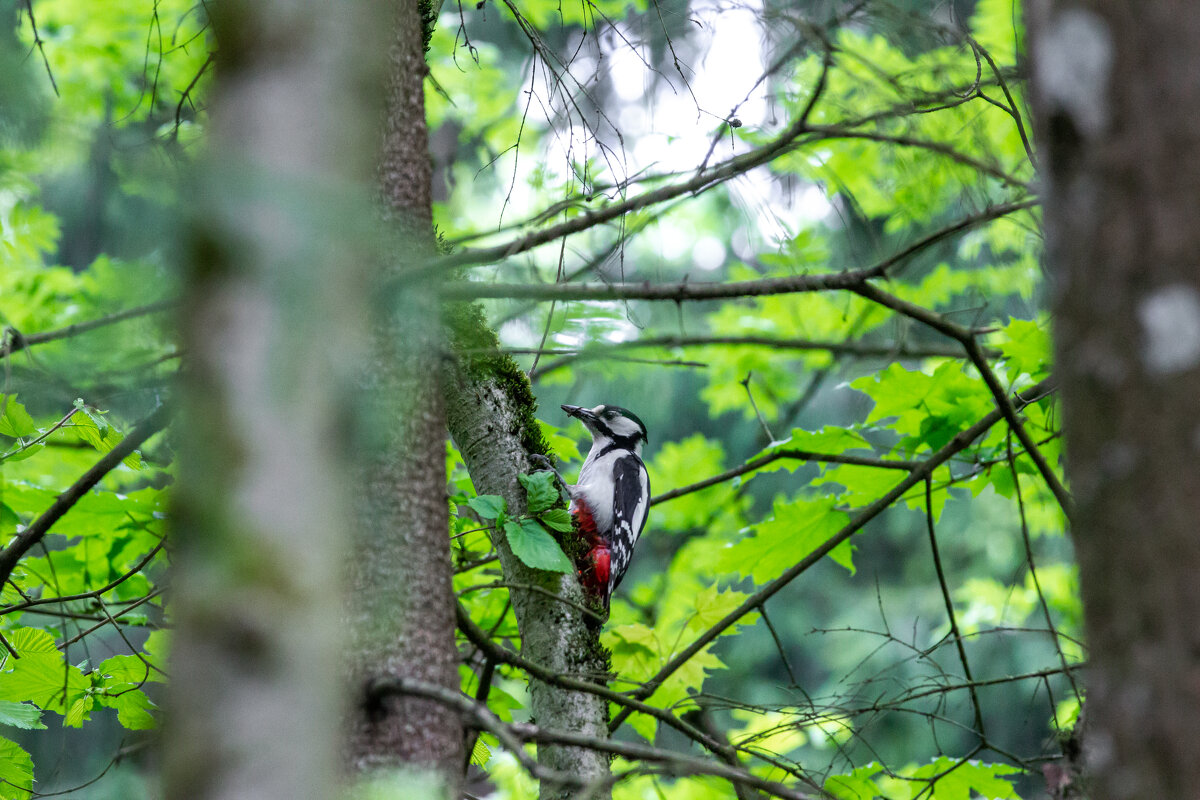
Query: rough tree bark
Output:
(490,412)
(1117,104)
(402,601)
(270,311)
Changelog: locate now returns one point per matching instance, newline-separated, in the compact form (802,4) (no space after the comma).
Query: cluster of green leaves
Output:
(82,197)
(529,535)
(104,556)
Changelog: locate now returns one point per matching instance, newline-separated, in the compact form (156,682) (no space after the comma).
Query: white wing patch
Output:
(631,502)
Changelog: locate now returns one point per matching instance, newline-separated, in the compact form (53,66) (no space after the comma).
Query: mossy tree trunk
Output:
(490,409)
(1117,103)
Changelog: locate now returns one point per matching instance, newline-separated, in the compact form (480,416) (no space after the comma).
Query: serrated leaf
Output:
(31,640)
(21,715)
(794,530)
(22,453)
(533,545)
(14,419)
(133,711)
(86,425)
(8,518)
(127,670)
(957,780)
(480,754)
(488,506)
(80,709)
(857,785)
(541,490)
(16,772)
(557,518)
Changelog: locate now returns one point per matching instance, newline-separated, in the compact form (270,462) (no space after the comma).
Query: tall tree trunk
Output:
(490,412)
(402,602)
(271,309)
(1117,103)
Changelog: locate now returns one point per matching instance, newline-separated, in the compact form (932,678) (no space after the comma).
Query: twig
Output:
(92,594)
(529,587)
(63,503)
(954,632)
(967,338)
(847,348)
(1037,584)
(960,442)
(481,640)
(18,341)
(187,92)
(514,736)
(692,291)
(111,620)
(41,46)
(5,456)
(802,455)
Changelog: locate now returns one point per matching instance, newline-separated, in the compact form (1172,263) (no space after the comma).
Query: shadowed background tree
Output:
(1118,129)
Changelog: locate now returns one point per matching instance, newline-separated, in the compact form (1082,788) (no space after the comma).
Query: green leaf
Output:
(14,419)
(133,711)
(957,780)
(1026,346)
(857,785)
(128,670)
(40,675)
(87,425)
(27,641)
(541,490)
(488,506)
(530,542)
(795,529)
(80,711)
(21,715)
(480,754)
(22,453)
(16,772)
(557,518)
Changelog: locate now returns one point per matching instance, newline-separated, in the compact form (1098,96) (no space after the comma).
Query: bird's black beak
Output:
(579,412)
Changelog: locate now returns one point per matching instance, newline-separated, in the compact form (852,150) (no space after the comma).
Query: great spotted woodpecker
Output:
(611,498)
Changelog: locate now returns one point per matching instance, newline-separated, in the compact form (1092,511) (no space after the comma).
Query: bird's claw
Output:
(539,460)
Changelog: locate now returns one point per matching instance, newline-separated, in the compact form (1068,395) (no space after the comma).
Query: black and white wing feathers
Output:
(631,502)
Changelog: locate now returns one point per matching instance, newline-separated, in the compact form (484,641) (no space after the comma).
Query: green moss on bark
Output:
(476,347)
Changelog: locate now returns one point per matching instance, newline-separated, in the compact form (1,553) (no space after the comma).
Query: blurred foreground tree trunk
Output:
(276,300)
(1118,107)
(272,306)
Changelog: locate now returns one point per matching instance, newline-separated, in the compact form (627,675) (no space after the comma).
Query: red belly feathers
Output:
(595,566)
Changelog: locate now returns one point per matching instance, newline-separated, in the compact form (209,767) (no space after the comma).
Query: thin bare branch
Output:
(63,503)
(925,469)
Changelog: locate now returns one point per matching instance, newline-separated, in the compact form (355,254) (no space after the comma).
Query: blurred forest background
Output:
(936,653)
